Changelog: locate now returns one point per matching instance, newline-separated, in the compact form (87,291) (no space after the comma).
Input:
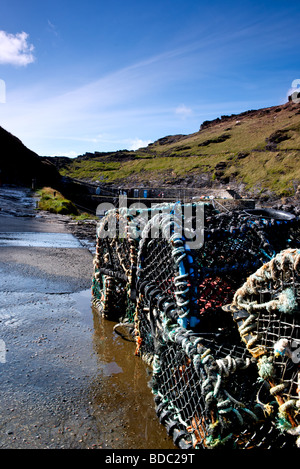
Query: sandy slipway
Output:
(66,379)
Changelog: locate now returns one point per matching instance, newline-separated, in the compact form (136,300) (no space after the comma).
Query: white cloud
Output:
(183,111)
(15,49)
(138,143)
(52,28)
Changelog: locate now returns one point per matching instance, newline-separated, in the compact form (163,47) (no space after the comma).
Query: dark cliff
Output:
(19,165)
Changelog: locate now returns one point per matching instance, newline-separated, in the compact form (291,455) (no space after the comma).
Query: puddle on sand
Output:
(69,381)
(121,398)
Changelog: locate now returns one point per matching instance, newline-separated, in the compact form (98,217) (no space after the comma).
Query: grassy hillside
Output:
(259,150)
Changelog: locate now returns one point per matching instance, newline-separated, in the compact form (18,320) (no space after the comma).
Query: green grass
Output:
(54,202)
(90,169)
(272,171)
(85,216)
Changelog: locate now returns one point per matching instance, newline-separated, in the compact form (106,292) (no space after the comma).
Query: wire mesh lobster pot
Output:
(235,245)
(267,311)
(179,287)
(280,230)
(114,278)
(198,281)
(114,268)
(172,293)
(206,394)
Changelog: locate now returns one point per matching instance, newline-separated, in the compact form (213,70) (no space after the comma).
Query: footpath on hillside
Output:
(67,380)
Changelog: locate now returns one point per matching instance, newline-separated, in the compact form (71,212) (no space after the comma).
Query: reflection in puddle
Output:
(111,368)
(121,398)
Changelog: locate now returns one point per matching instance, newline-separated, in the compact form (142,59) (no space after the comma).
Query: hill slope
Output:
(257,152)
(19,165)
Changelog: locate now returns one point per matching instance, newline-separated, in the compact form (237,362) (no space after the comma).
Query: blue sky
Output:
(108,75)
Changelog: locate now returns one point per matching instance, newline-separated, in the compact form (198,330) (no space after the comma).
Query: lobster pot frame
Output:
(267,311)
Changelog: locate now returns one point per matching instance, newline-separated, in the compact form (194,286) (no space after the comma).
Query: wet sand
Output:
(67,380)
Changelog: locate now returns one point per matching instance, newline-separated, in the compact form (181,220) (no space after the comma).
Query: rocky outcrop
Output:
(169,139)
(275,138)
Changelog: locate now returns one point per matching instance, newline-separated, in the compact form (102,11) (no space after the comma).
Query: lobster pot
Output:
(281,230)
(233,248)
(267,313)
(235,245)
(114,279)
(114,263)
(206,394)
(190,286)
(164,273)
(217,320)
